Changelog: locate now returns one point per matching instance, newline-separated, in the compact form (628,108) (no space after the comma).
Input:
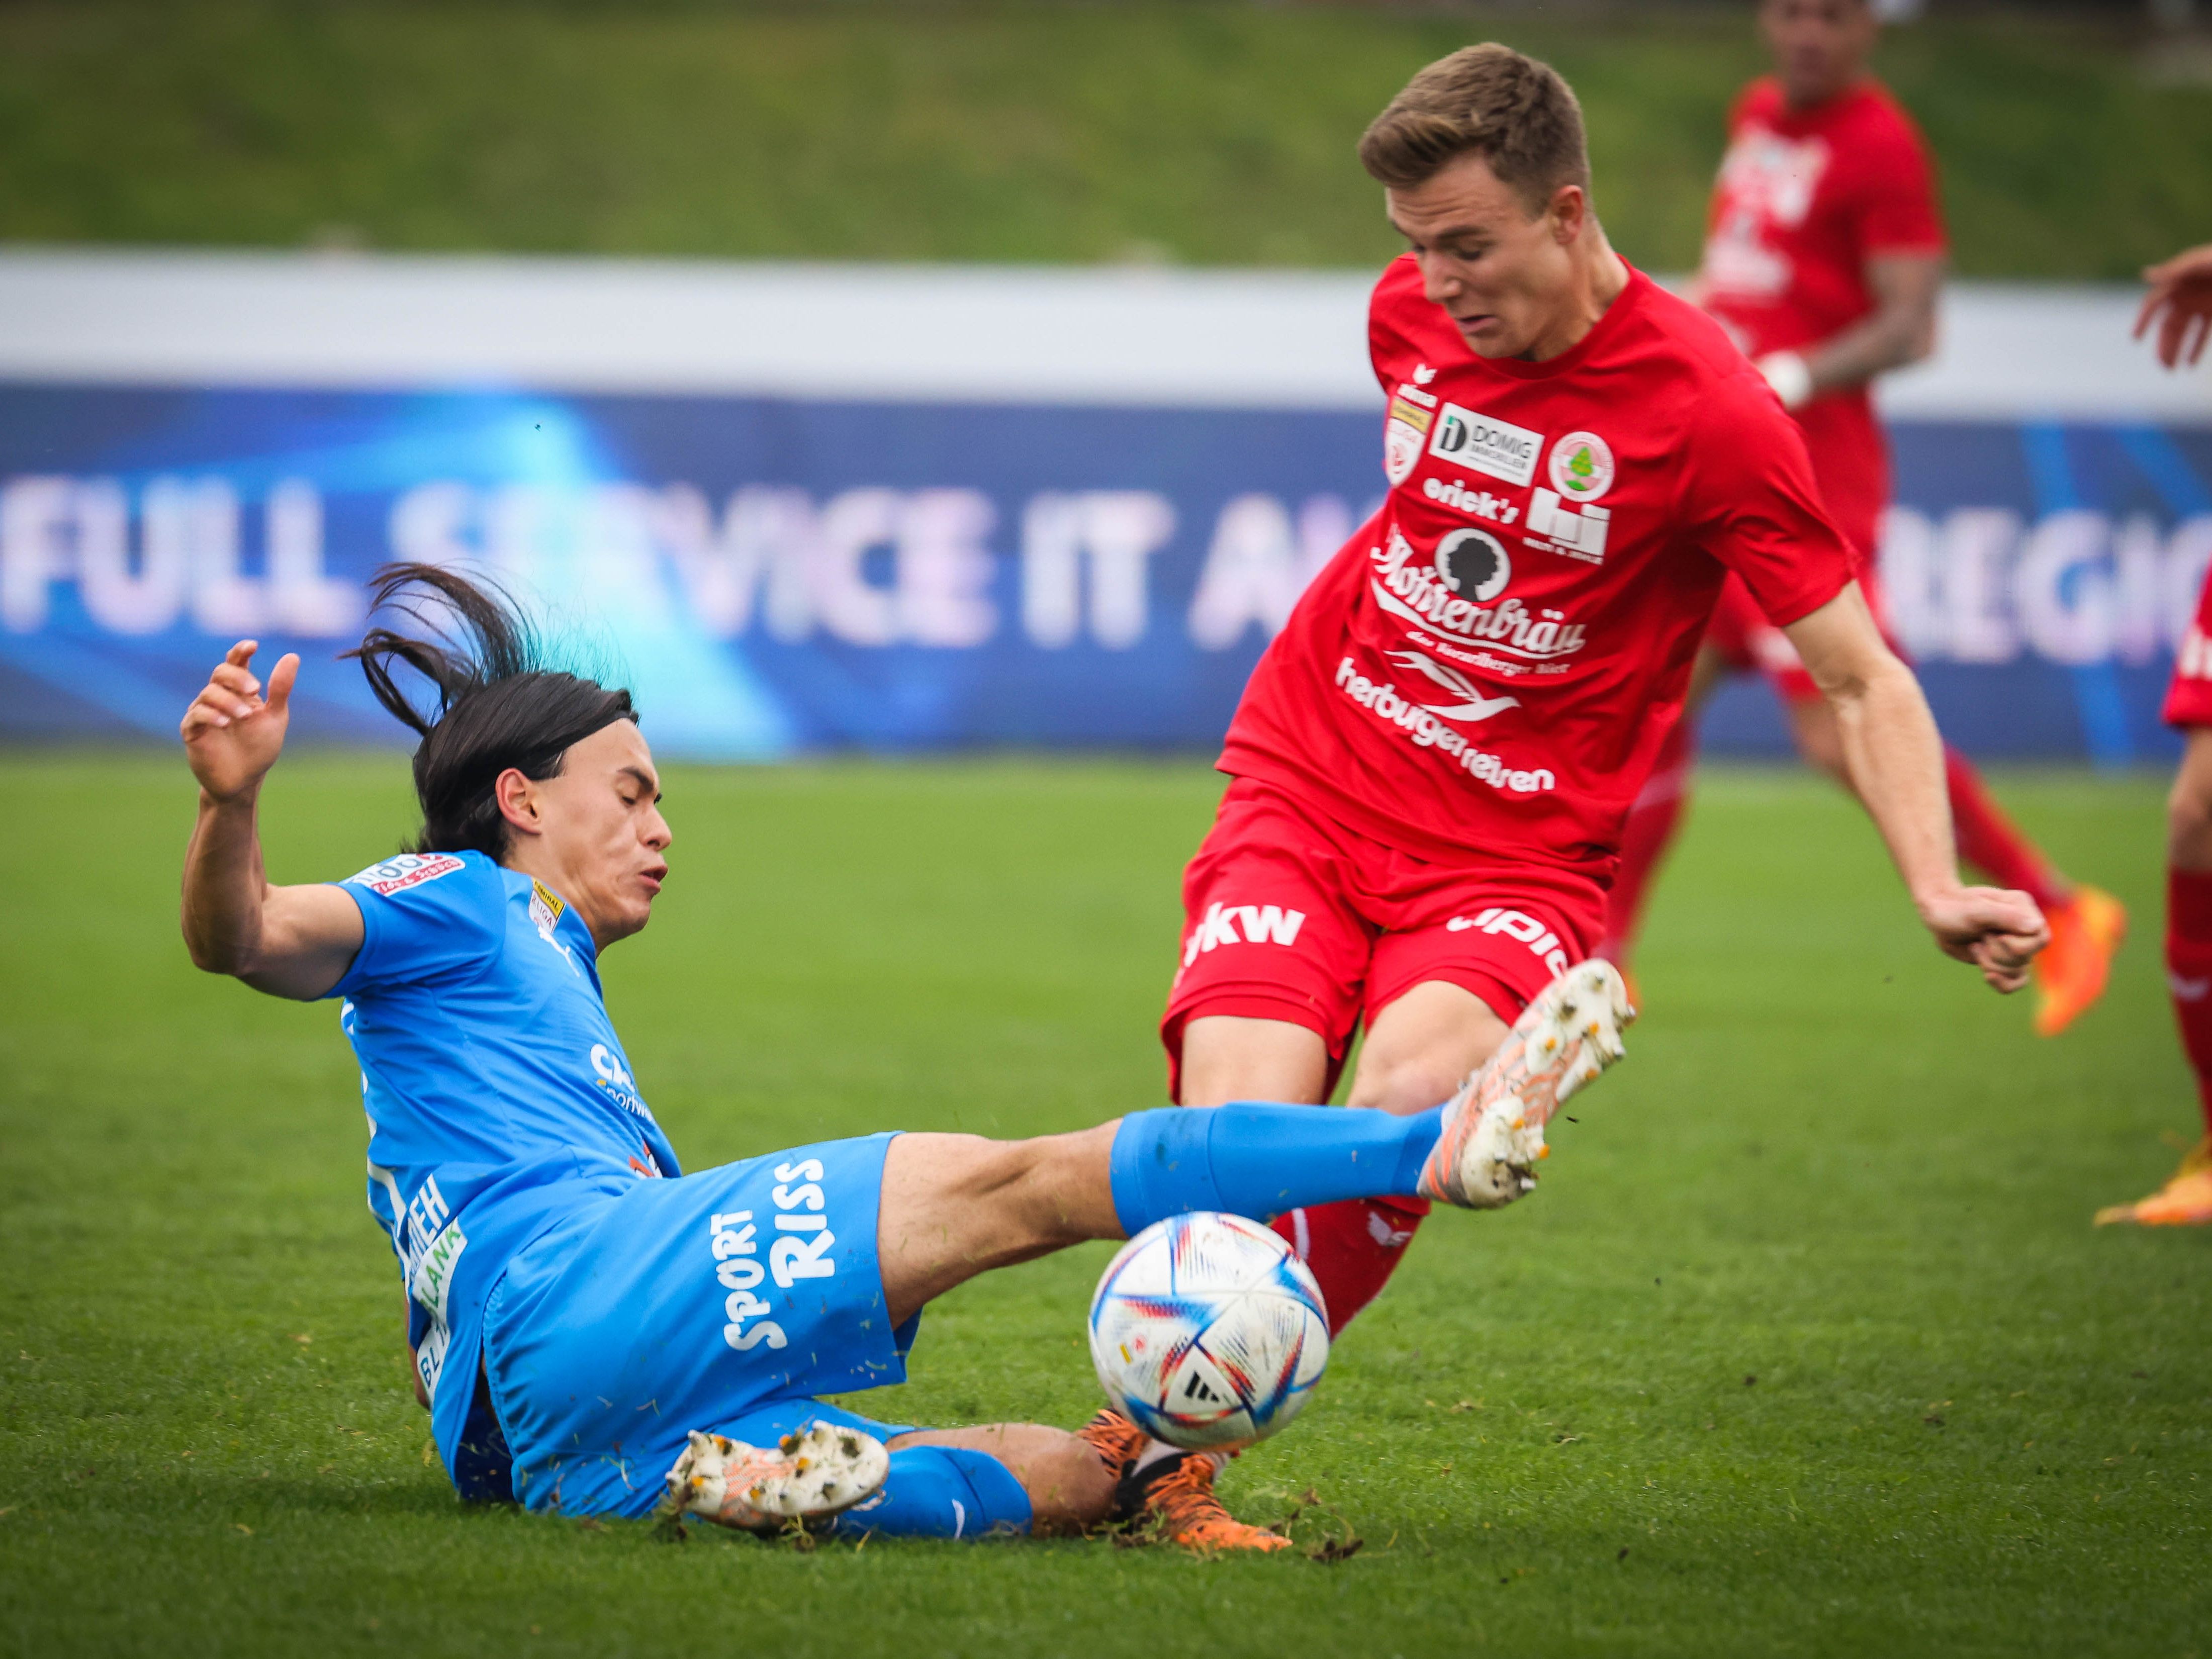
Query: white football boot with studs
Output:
(822,1470)
(1493,1129)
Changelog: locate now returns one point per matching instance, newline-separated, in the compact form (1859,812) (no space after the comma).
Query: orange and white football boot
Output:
(822,1470)
(2086,932)
(1494,1131)
(1173,1496)
(2185,1200)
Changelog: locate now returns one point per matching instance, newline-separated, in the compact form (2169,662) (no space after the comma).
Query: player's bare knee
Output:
(1413,1083)
(1065,1190)
(1034,1191)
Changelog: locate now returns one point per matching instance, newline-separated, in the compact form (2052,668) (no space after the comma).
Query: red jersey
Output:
(1805,198)
(1482,675)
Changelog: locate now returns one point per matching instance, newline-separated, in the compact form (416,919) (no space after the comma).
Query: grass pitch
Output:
(1806,1346)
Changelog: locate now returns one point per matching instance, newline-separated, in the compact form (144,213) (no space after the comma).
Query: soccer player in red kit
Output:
(1824,255)
(1431,762)
(2180,303)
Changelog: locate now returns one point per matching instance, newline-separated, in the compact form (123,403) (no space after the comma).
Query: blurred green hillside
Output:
(1214,134)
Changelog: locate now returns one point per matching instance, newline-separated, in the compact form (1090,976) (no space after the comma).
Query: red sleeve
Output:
(1898,212)
(1747,497)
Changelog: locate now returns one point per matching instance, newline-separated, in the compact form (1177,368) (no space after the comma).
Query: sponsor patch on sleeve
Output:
(408,870)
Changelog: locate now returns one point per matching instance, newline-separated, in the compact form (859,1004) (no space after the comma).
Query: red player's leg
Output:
(1646,835)
(2188,910)
(1656,815)
(2087,924)
(1465,956)
(1262,1008)
(1992,843)
(2189,972)
(1352,1247)
(1421,1048)
(2186,1199)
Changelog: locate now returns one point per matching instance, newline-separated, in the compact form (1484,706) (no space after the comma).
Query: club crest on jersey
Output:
(1582,466)
(545,908)
(1406,432)
(1482,444)
(545,905)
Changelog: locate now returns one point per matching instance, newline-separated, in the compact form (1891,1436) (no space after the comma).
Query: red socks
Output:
(1352,1247)
(1989,840)
(1644,837)
(2188,971)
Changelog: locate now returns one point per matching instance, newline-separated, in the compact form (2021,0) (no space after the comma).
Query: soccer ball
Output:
(1208,1332)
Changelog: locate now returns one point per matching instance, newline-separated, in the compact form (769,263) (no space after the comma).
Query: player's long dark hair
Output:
(499,704)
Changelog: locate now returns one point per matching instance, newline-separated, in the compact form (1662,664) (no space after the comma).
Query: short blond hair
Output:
(1517,113)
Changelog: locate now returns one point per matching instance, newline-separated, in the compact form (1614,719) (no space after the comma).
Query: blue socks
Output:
(1260,1161)
(941,1492)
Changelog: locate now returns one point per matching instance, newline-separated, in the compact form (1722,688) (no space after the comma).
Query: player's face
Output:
(604,831)
(1819,46)
(1505,275)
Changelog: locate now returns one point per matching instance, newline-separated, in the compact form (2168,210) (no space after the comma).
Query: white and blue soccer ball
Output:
(1208,1332)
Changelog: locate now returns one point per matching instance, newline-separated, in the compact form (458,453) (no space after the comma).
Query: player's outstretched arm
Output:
(1895,760)
(2180,303)
(289,941)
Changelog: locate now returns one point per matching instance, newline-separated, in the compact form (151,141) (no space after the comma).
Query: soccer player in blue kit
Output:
(596,1332)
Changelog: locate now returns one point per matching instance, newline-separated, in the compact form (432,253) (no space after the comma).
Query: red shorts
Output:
(2189,697)
(1289,916)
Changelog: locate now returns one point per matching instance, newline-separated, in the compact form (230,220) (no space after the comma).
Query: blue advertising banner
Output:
(778,575)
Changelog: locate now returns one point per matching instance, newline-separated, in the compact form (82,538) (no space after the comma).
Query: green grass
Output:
(1209,133)
(1832,1164)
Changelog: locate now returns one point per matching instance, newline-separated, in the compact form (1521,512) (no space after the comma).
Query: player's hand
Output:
(233,733)
(2180,302)
(1998,930)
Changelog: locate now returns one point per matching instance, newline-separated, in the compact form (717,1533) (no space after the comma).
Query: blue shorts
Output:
(723,1301)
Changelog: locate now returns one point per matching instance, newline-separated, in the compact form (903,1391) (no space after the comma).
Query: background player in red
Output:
(1431,762)
(2180,304)
(1823,261)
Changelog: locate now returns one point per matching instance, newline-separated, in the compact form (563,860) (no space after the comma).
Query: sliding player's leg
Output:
(660,1333)
(805,1460)
(666,1343)
(955,1204)
(2186,1199)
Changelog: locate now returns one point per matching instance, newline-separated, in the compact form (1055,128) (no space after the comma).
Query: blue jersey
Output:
(499,1100)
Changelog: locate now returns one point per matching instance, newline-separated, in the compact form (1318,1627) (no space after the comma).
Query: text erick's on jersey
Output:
(1487,667)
